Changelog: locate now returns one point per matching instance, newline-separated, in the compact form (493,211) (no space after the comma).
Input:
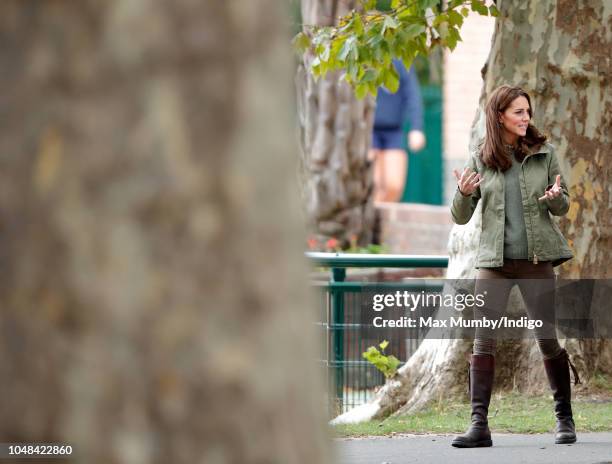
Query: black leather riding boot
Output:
(558,372)
(482,370)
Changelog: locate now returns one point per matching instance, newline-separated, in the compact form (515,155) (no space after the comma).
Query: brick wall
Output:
(413,228)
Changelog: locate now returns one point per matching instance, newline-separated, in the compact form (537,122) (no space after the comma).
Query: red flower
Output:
(332,244)
(313,243)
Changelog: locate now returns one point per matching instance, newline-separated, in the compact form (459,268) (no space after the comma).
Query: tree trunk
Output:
(335,135)
(559,53)
(153,290)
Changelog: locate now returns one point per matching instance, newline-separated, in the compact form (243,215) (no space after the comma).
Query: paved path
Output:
(591,448)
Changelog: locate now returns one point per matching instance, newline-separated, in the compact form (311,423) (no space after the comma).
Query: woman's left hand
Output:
(554,191)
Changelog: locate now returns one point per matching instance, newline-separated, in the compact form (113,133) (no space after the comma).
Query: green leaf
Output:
(395,4)
(386,364)
(301,42)
(373,88)
(424,4)
(344,24)
(408,62)
(365,53)
(378,53)
(323,67)
(370,352)
(413,30)
(479,7)
(325,54)
(361,72)
(453,38)
(389,23)
(421,44)
(439,19)
(369,76)
(494,11)
(374,43)
(336,45)
(465,12)
(386,52)
(358,24)
(391,79)
(347,48)
(353,70)
(454,18)
(401,43)
(393,364)
(409,14)
(410,47)
(442,30)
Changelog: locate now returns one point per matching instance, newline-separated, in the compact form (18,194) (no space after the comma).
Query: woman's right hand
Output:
(468,181)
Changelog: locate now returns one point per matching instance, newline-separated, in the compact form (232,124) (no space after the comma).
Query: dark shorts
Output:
(388,139)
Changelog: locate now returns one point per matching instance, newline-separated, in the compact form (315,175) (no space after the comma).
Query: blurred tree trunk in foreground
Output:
(559,53)
(152,285)
(335,135)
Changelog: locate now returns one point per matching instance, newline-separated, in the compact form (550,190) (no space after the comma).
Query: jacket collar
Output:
(536,150)
(542,148)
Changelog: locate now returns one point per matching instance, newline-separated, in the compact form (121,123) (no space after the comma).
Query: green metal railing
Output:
(351,379)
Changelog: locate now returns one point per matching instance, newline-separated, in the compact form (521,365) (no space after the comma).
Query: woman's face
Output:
(516,118)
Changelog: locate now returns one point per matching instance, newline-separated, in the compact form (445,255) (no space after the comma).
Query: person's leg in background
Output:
(495,285)
(538,289)
(390,165)
(389,171)
(390,175)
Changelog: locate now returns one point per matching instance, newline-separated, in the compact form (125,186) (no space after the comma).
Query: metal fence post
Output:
(337,296)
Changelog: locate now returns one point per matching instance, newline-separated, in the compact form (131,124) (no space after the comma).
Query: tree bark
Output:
(559,53)
(154,295)
(335,135)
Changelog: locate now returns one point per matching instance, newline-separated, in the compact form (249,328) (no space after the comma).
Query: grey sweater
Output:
(515,234)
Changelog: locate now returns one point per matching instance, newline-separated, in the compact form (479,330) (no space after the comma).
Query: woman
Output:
(516,175)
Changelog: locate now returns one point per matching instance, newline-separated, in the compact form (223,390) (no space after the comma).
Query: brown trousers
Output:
(536,283)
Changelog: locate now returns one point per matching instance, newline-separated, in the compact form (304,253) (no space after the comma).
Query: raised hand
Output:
(554,191)
(468,181)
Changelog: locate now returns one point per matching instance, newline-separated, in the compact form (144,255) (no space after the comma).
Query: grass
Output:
(601,382)
(508,413)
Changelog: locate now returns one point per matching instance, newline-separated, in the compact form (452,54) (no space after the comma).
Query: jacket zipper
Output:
(535,256)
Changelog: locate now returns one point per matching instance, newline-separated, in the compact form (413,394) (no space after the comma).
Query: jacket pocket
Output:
(554,239)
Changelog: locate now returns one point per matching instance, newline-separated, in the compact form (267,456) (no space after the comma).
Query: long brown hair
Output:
(493,152)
